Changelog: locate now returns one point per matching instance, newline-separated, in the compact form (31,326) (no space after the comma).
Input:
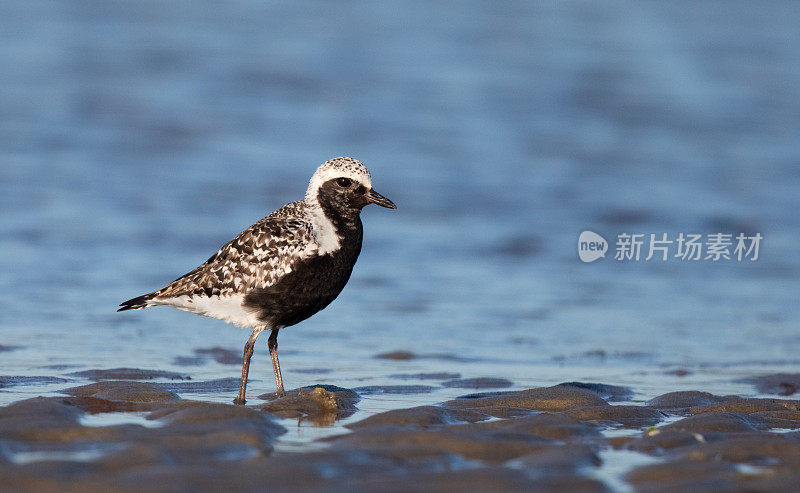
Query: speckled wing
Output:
(256,259)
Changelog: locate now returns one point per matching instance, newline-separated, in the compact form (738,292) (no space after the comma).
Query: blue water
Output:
(136,138)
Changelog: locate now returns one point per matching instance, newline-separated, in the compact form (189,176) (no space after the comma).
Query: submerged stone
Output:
(220,385)
(558,398)
(662,438)
(557,426)
(11,381)
(560,461)
(722,422)
(682,401)
(487,479)
(478,383)
(398,355)
(189,360)
(426,376)
(785,384)
(747,405)
(470,441)
(321,403)
(24,419)
(685,475)
(611,393)
(625,416)
(394,389)
(128,374)
(122,392)
(221,355)
(419,416)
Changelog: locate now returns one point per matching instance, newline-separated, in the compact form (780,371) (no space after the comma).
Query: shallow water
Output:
(136,139)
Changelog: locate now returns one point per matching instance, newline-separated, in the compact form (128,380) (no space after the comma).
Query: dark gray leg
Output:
(272,343)
(248,352)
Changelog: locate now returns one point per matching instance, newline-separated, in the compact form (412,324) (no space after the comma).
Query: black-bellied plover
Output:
(284,268)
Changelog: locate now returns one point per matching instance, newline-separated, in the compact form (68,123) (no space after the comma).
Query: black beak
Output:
(375,198)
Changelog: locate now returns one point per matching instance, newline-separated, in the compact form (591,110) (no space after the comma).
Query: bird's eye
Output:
(343,182)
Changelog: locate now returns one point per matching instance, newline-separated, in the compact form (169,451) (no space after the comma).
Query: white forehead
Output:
(340,167)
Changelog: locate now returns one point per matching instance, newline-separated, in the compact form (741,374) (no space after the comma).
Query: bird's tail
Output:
(136,303)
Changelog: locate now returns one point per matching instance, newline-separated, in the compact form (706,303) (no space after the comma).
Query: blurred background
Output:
(138,137)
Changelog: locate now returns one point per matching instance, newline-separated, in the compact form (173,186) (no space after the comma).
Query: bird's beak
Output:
(375,198)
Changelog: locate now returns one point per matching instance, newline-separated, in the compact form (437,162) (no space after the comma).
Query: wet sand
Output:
(125,433)
(137,139)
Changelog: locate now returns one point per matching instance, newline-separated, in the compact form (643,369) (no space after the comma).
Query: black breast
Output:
(311,286)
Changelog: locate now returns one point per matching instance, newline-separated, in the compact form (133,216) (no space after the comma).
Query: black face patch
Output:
(343,195)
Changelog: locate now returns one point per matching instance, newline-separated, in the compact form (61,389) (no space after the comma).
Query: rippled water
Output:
(136,138)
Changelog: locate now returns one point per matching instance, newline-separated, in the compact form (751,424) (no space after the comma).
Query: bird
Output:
(284,268)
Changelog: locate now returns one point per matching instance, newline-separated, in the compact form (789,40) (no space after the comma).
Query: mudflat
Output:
(126,435)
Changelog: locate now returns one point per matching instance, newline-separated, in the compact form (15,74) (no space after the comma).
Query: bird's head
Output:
(344,184)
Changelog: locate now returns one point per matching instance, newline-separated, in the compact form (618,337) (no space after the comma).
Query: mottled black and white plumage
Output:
(284,268)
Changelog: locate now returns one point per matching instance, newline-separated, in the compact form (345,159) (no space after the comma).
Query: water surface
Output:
(135,139)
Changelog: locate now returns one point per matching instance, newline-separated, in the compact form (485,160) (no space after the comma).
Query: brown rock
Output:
(398,355)
(785,384)
(393,389)
(128,374)
(502,412)
(321,403)
(188,360)
(121,391)
(746,405)
(612,393)
(50,419)
(559,461)
(20,419)
(194,432)
(426,376)
(558,398)
(556,426)
(754,448)
(780,419)
(618,443)
(722,422)
(481,479)
(471,441)
(682,401)
(478,383)
(769,481)
(312,371)
(206,412)
(625,416)
(12,381)
(680,372)
(660,439)
(424,416)
(221,355)
(685,475)
(220,385)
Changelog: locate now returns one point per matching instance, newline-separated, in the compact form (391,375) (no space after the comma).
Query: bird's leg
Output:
(272,343)
(248,352)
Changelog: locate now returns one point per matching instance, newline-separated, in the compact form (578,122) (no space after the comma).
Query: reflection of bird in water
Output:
(284,268)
